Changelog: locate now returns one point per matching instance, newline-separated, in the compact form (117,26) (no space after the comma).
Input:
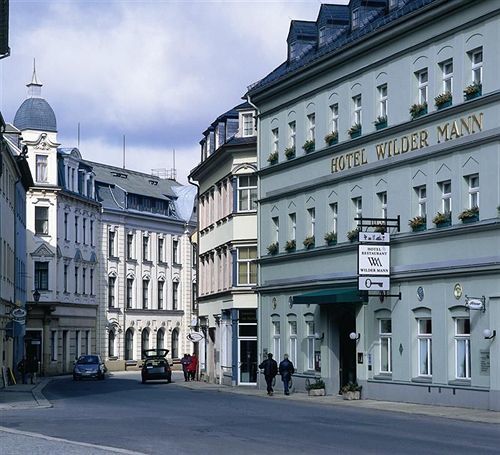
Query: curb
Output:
(38,395)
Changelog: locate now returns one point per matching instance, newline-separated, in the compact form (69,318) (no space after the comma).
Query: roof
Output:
(35,114)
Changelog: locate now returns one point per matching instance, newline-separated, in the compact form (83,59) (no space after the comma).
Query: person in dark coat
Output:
(185,361)
(286,370)
(270,368)
(21,367)
(32,368)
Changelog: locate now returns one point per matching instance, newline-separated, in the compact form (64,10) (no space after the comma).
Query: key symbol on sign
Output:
(369,283)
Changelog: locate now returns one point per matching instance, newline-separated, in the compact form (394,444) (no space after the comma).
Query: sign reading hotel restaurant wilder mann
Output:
(374,260)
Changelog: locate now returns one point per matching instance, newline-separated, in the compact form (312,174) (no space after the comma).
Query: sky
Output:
(159,72)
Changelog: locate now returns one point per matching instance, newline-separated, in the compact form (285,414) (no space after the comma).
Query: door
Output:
(248,362)
(347,347)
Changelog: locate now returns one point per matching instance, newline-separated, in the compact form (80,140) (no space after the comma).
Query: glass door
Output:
(248,362)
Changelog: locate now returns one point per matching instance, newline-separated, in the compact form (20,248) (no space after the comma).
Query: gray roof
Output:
(35,114)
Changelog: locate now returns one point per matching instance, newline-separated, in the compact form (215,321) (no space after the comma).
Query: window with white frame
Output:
(385,335)
(66,277)
(175,295)
(160,249)
(77,273)
(357,203)
(462,348)
(421,192)
(292,341)
(111,291)
(382,200)
(247,267)
(311,127)
(275,139)
(334,210)
(160,294)
(423,85)
(276,228)
(145,294)
(41,220)
(334,115)
(84,280)
(175,251)
(356,103)
(276,339)
(382,100)
(310,345)
(476,58)
(292,226)
(76,229)
(130,245)
(292,128)
(445,196)
(91,232)
(247,193)
(145,247)
(129,292)
(41,168)
(91,281)
(248,124)
(355,18)
(111,243)
(311,214)
(65,226)
(84,230)
(447,76)
(473,187)
(424,341)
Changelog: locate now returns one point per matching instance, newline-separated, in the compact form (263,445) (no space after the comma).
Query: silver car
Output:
(89,366)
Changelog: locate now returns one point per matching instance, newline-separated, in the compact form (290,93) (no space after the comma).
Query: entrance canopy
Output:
(332,296)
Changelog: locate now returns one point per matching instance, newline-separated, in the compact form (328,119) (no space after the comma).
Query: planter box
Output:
(352,395)
(316,392)
(471,219)
(473,95)
(290,156)
(420,228)
(332,142)
(355,134)
(331,242)
(422,112)
(379,126)
(444,105)
(443,224)
(271,163)
(289,250)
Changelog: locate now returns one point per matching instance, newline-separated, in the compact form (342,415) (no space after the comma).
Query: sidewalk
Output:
(24,396)
(447,412)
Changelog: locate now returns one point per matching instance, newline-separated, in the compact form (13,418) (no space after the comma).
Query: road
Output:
(122,415)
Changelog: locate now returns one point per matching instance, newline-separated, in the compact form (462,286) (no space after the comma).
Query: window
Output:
(311,214)
(41,168)
(445,196)
(111,343)
(355,18)
(175,251)
(473,184)
(84,276)
(160,295)
(276,339)
(65,226)
(311,127)
(76,279)
(292,127)
(310,344)
(276,228)
(129,344)
(292,223)
(160,249)
(334,113)
(53,345)
(462,348)
(275,139)
(129,295)
(292,330)
(145,294)
(477,65)
(76,229)
(356,102)
(382,199)
(91,281)
(130,245)
(88,343)
(111,291)
(145,247)
(160,339)
(42,276)
(78,343)
(385,334)
(42,220)
(175,295)
(423,85)
(334,217)
(421,192)
(111,243)
(92,232)
(175,344)
(447,76)
(358,208)
(84,230)
(247,193)
(424,339)
(248,128)
(144,341)
(247,267)
(382,100)
(65,278)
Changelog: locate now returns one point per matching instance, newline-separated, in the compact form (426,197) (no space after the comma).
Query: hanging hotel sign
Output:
(448,131)
(374,260)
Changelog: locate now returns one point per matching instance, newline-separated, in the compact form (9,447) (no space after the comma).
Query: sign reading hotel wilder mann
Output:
(448,131)
(374,260)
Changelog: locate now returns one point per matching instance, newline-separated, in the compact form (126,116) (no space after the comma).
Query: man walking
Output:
(270,368)
(286,370)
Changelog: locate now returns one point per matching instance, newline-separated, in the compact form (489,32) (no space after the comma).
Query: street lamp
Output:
(36,296)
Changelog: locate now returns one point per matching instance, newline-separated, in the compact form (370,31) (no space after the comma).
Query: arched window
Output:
(144,341)
(111,343)
(160,339)
(129,344)
(175,344)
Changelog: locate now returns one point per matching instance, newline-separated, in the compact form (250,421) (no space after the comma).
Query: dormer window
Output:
(248,126)
(355,18)
(41,168)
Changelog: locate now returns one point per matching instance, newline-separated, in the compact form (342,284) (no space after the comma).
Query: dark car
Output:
(156,365)
(89,366)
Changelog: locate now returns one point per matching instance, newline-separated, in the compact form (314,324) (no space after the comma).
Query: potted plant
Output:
(290,152)
(273,158)
(273,248)
(418,223)
(352,235)
(332,138)
(290,246)
(443,100)
(417,110)
(317,388)
(380,228)
(469,215)
(309,146)
(309,242)
(473,91)
(331,238)
(351,391)
(380,122)
(354,130)
(442,219)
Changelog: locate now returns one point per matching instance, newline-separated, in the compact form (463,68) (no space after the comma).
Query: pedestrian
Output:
(21,368)
(185,361)
(270,368)
(286,370)
(32,368)
(193,366)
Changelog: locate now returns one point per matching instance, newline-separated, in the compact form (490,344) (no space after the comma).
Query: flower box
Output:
(443,100)
(469,215)
(351,395)
(419,228)
(417,110)
(332,138)
(290,153)
(273,158)
(309,146)
(309,242)
(355,130)
(353,234)
(418,223)
(316,392)
(472,219)
(290,246)
(442,220)
(273,248)
(331,238)
(472,91)
(380,123)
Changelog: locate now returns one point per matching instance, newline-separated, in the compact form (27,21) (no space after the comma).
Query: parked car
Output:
(156,365)
(89,366)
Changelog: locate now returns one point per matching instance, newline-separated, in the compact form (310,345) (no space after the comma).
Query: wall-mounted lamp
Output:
(476,303)
(319,336)
(489,334)
(36,296)
(354,336)
(217,318)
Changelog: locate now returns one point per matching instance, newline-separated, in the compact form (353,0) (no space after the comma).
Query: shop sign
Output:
(374,260)
(194,337)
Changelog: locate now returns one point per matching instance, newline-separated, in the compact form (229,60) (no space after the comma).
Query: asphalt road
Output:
(123,415)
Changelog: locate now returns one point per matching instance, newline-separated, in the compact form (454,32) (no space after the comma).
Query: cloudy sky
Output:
(157,71)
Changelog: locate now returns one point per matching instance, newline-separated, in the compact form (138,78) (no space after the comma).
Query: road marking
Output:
(83,444)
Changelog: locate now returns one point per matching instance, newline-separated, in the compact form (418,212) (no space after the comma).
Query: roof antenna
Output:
(123,151)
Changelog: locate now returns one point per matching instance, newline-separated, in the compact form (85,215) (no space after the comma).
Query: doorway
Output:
(248,362)
(347,347)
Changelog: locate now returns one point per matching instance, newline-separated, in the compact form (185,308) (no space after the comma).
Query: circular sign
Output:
(194,337)
(457,291)
(18,314)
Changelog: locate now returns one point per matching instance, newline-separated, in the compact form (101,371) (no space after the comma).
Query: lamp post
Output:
(36,295)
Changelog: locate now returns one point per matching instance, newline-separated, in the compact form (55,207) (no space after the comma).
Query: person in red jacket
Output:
(192,367)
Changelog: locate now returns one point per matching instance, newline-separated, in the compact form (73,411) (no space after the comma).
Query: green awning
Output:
(334,295)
